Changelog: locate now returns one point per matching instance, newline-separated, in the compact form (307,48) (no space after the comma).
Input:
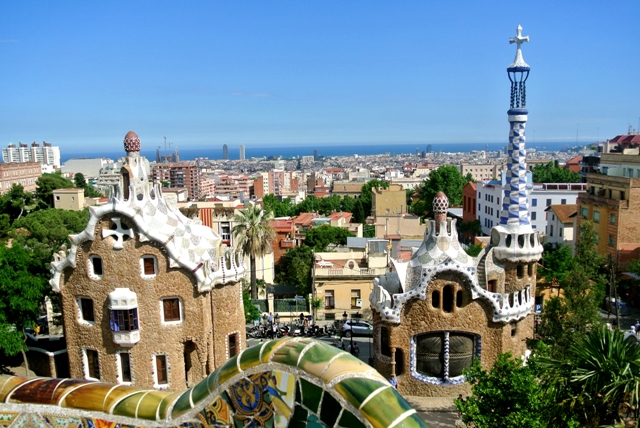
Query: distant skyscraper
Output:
(242,155)
(429,148)
(225,152)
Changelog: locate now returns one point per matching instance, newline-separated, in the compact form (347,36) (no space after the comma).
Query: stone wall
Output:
(473,316)
(193,336)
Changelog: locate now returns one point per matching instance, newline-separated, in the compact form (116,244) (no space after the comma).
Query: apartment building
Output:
(612,203)
(233,186)
(276,182)
(560,221)
(45,154)
(490,196)
(180,174)
(343,280)
(24,173)
(482,172)
(347,188)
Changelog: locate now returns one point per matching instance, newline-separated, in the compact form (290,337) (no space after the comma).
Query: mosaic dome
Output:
(131,142)
(440,203)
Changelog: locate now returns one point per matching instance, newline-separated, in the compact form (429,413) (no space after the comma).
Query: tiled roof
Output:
(564,212)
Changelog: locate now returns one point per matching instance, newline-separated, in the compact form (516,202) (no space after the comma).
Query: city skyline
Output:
(309,74)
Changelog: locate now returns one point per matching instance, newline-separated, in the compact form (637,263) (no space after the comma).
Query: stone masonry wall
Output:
(474,316)
(228,319)
(122,269)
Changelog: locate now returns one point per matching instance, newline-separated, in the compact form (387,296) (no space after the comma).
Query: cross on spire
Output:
(519,39)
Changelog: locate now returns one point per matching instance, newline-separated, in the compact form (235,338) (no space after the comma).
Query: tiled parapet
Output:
(292,382)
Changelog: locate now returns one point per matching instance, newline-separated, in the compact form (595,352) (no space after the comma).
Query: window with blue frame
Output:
(124,319)
(534,202)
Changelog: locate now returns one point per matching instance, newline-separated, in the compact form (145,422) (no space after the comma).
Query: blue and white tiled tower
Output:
(514,238)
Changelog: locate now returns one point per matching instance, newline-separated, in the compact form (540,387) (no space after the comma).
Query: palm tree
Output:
(253,234)
(602,371)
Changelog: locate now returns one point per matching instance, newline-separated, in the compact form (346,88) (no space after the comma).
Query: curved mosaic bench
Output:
(291,382)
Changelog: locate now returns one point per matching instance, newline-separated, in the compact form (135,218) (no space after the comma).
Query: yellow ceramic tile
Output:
(272,346)
(167,401)
(8,384)
(343,365)
(128,405)
(89,396)
(117,394)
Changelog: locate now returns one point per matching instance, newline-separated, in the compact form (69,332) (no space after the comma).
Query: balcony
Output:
(126,338)
(588,198)
(287,243)
(357,272)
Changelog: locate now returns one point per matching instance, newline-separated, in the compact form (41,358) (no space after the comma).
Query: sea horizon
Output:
(326,150)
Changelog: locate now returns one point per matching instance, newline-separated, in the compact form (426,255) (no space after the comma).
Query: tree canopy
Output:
(22,290)
(44,231)
(552,173)
(16,202)
(295,267)
(80,182)
(568,318)
(46,184)
(319,238)
(447,179)
(508,395)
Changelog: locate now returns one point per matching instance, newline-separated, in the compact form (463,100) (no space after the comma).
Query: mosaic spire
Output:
(515,208)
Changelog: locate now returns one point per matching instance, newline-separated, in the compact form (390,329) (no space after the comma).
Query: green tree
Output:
(251,313)
(447,179)
(295,267)
(253,234)
(557,263)
(552,173)
(587,254)
(348,204)
(22,292)
(473,250)
(79,180)
(601,371)
(16,202)
(508,395)
(46,184)
(319,238)
(44,231)
(568,318)
(81,183)
(279,208)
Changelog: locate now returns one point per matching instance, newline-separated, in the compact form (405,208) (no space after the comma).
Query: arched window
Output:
(384,342)
(432,361)
(530,270)
(447,298)
(459,298)
(520,271)
(435,299)
(125,183)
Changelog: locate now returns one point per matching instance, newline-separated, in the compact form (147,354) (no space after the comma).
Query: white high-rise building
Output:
(242,154)
(46,155)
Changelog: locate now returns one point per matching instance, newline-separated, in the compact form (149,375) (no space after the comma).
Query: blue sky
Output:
(81,74)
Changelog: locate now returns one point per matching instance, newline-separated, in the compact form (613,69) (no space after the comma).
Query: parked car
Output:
(356,328)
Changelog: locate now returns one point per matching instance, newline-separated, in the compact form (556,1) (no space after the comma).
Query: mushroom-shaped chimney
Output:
(131,142)
(440,208)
